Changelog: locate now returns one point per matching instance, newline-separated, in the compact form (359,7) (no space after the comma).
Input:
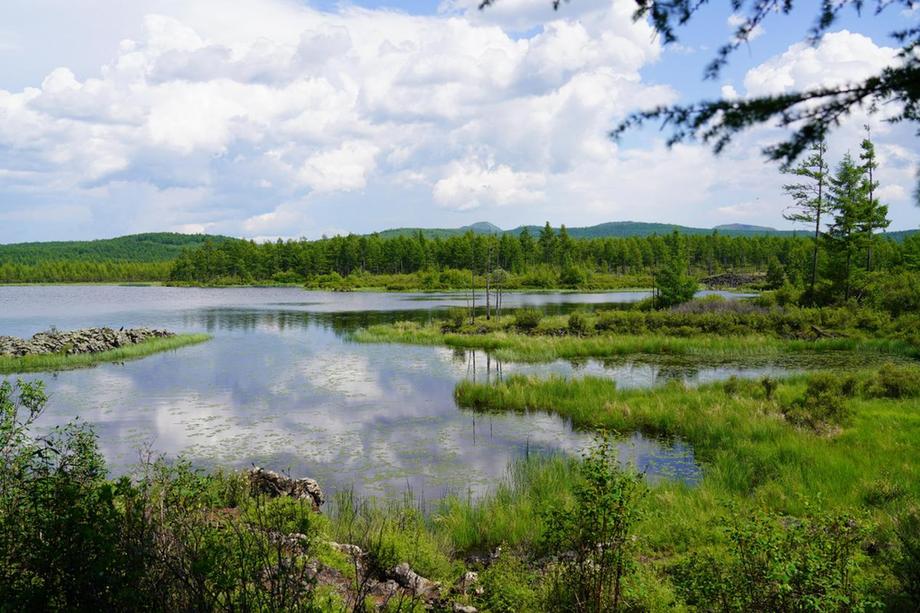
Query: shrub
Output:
(769,385)
(60,530)
(907,564)
(573,276)
(508,586)
(578,324)
(594,535)
(527,319)
(288,276)
(621,322)
(893,381)
(455,318)
(823,402)
(775,563)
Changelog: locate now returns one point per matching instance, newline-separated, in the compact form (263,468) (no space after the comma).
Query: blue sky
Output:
(278,118)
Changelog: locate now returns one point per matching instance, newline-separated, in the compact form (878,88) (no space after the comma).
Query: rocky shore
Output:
(399,584)
(89,340)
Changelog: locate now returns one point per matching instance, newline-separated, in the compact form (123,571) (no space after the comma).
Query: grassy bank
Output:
(515,346)
(53,362)
(789,515)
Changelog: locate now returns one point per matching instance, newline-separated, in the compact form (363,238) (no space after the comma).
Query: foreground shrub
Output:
(61,538)
(592,535)
(527,319)
(776,563)
(508,586)
(907,565)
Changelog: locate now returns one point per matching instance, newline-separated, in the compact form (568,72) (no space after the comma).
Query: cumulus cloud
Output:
(270,118)
(471,183)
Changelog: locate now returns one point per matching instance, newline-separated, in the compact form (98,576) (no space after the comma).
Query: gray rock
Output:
(270,483)
(418,585)
(89,340)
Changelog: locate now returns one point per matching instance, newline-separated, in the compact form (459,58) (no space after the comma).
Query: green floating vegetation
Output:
(55,361)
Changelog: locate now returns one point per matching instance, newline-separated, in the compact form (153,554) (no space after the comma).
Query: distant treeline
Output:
(550,258)
(140,248)
(85,272)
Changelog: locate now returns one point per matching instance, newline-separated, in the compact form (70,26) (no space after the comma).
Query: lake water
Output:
(280,385)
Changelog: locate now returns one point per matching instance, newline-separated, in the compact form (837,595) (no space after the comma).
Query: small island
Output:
(62,350)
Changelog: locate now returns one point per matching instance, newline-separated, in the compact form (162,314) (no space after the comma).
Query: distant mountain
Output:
(152,247)
(483,227)
(743,227)
(613,229)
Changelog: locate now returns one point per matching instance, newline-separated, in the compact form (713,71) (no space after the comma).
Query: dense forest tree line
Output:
(550,252)
(85,272)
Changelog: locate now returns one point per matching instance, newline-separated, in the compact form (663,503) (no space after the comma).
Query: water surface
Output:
(280,385)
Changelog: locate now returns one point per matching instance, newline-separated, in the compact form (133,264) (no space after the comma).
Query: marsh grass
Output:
(513,346)
(54,362)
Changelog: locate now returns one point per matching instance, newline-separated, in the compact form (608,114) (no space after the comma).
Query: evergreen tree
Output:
(875,214)
(547,242)
(809,202)
(847,198)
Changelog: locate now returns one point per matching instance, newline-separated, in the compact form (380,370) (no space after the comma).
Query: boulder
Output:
(89,340)
(270,483)
(418,585)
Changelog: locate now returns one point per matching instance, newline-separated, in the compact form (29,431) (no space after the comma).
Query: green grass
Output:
(518,347)
(53,362)
(749,452)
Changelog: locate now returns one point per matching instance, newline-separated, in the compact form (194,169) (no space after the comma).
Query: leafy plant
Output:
(578,324)
(527,319)
(776,563)
(592,535)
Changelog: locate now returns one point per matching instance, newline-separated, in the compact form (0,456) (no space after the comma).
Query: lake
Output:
(280,385)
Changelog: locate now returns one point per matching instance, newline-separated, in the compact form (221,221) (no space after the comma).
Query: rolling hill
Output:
(151,247)
(617,229)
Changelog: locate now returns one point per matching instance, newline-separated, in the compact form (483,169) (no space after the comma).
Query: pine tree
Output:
(847,198)
(547,242)
(809,201)
(875,214)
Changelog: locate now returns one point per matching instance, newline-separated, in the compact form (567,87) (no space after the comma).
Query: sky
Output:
(285,118)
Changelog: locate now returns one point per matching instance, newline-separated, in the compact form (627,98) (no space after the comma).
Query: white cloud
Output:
(269,118)
(841,57)
(470,183)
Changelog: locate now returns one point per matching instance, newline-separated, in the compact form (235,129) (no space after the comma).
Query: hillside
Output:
(151,247)
(613,229)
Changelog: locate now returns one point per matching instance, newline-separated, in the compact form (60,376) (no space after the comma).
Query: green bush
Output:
(573,276)
(775,563)
(893,381)
(455,318)
(527,319)
(824,401)
(578,324)
(593,535)
(907,563)
(508,586)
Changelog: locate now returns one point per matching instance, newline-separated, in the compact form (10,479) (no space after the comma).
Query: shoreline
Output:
(53,362)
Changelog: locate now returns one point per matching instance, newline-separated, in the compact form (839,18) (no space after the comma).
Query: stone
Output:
(464,608)
(270,483)
(89,340)
(418,585)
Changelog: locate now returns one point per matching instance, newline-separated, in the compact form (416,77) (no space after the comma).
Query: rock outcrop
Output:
(270,483)
(89,340)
